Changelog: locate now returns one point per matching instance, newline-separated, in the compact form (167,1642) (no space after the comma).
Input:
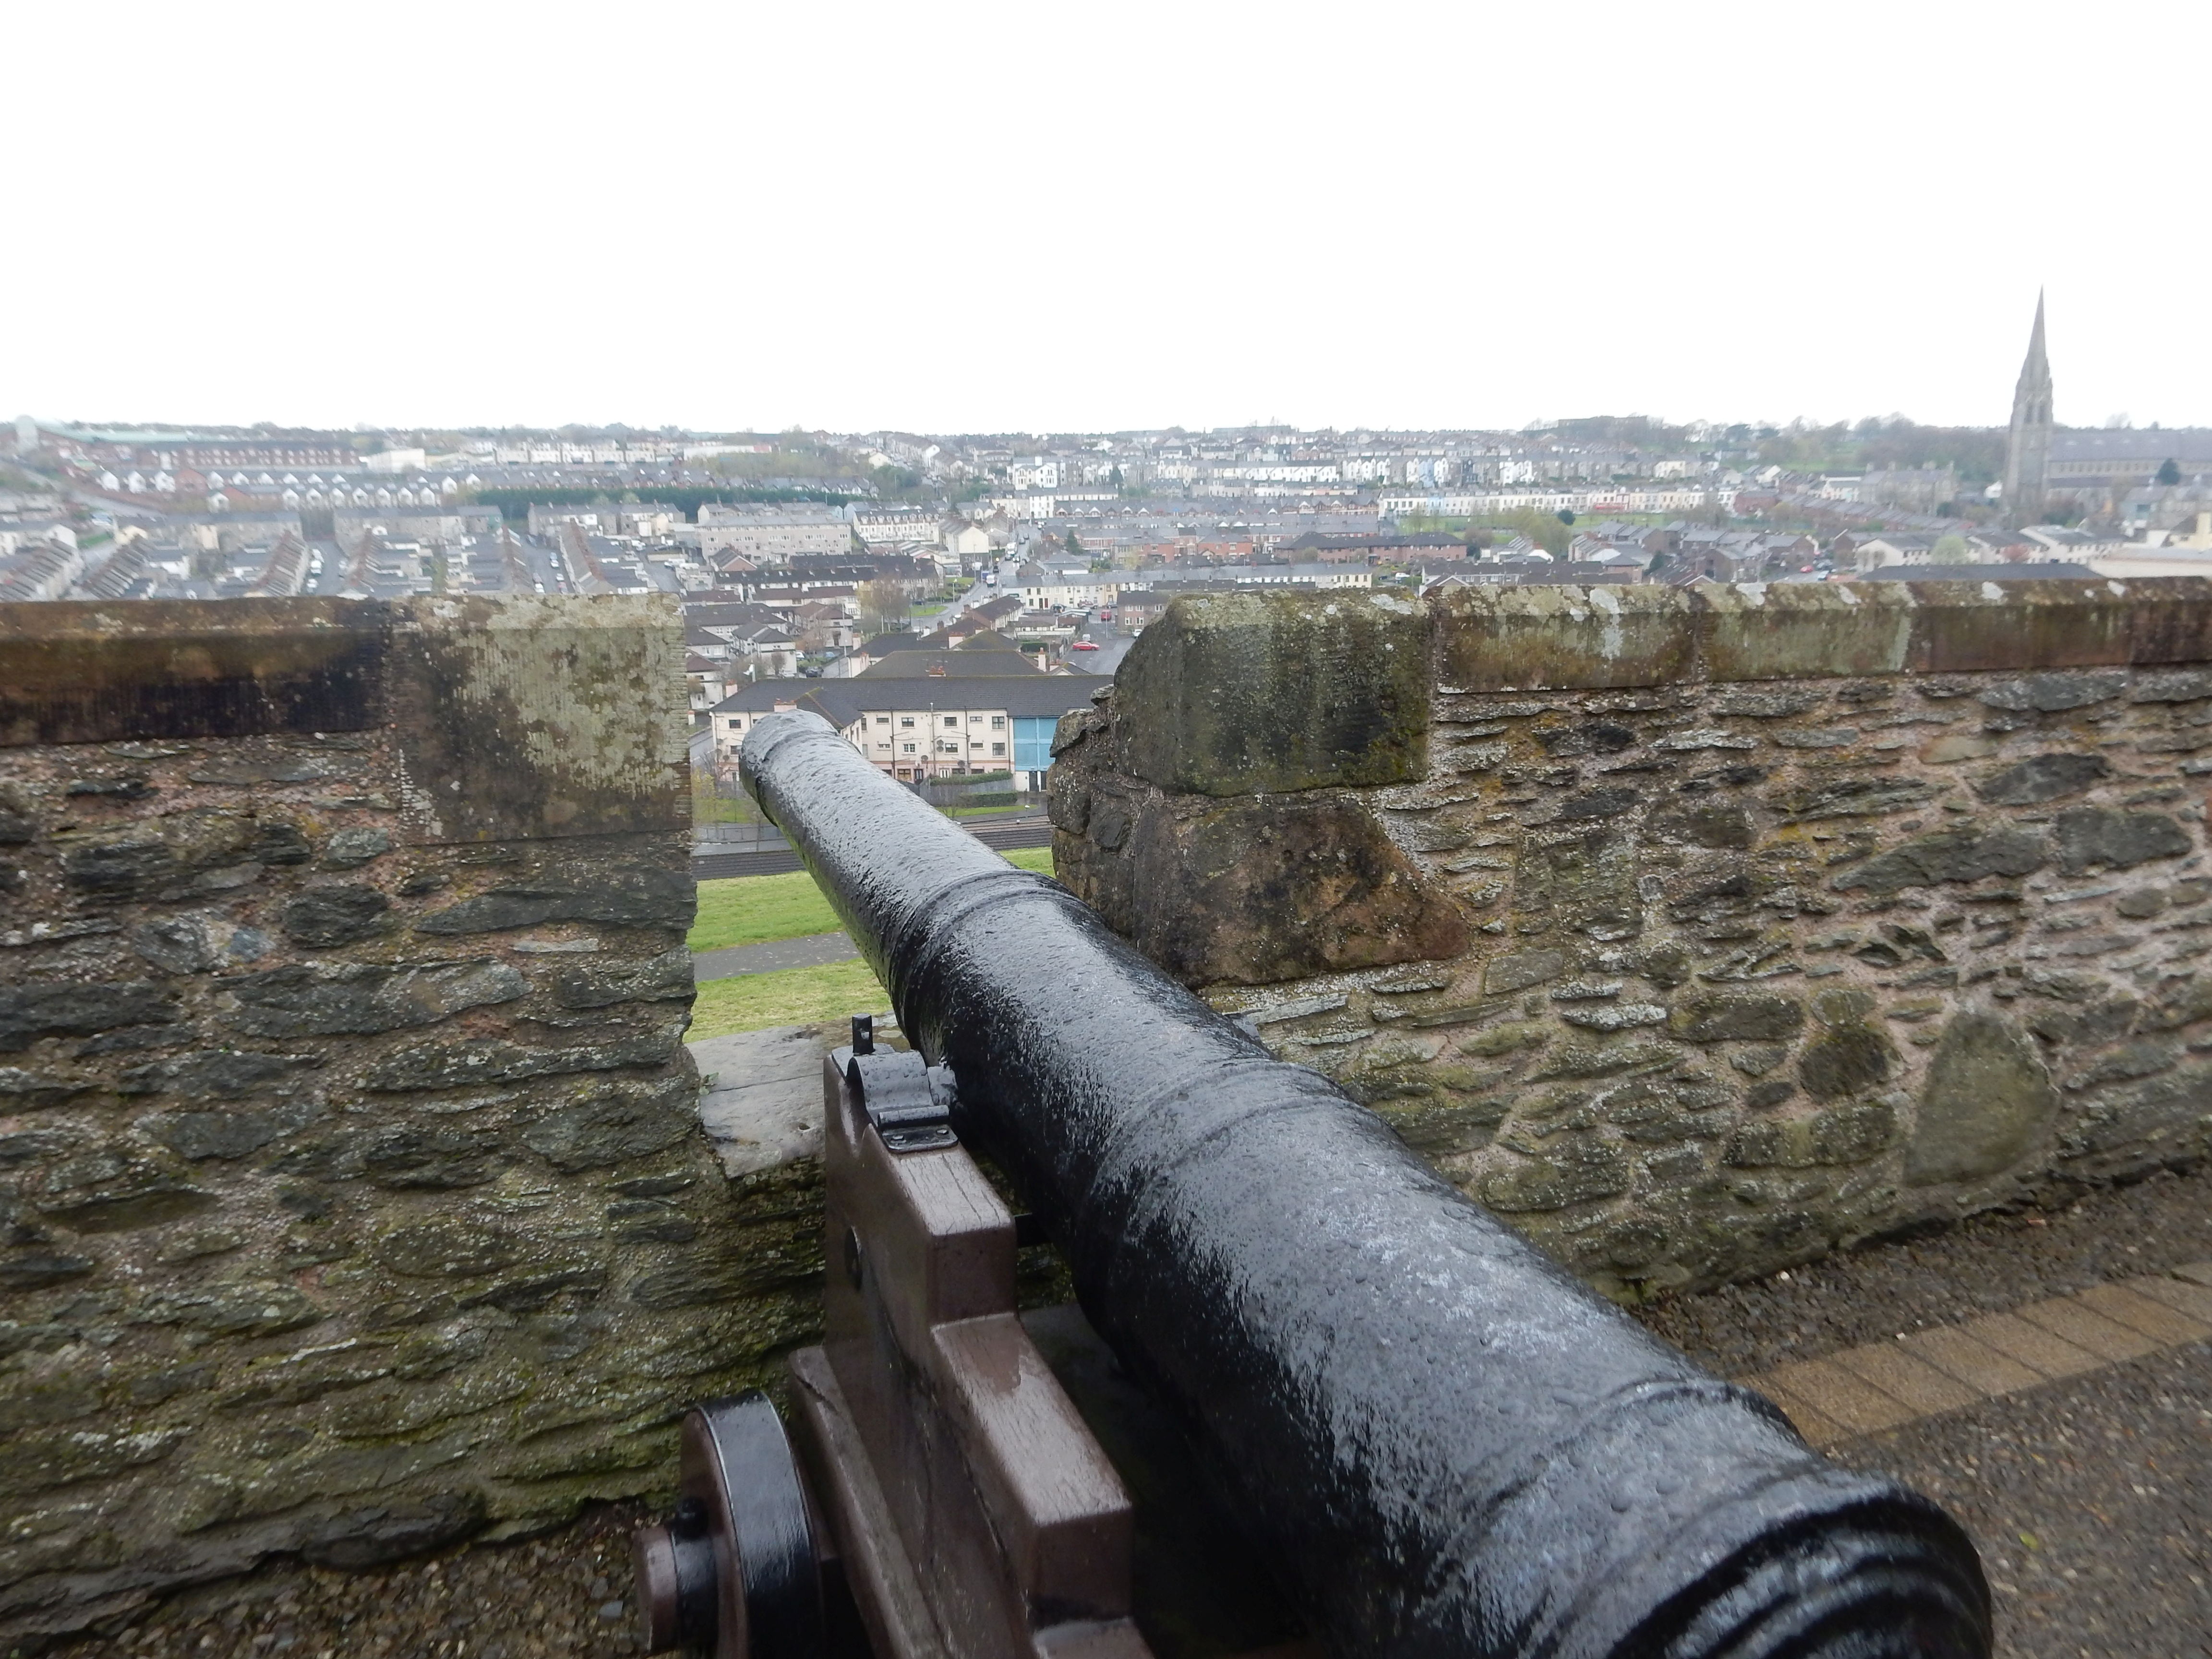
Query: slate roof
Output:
(954,664)
(1981,573)
(1033,697)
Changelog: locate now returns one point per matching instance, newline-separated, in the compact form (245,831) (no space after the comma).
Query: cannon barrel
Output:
(1452,1447)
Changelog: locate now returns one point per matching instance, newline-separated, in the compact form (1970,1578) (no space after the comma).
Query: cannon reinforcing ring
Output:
(733,1573)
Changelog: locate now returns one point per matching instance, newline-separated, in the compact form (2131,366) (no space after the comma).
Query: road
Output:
(1003,835)
(1113,645)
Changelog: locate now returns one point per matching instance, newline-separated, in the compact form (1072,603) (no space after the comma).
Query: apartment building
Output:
(771,535)
(924,726)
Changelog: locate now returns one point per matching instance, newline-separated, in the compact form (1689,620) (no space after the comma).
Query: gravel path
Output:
(565,1594)
(1987,1265)
(808,950)
(2090,1501)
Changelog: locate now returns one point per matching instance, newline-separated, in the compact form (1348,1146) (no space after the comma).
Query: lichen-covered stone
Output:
(1578,1172)
(335,914)
(2052,693)
(599,984)
(1849,1133)
(1964,854)
(1817,826)
(1716,1018)
(1275,888)
(196,1135)
(611,1125)
(63,1008)
(572,892)
(1538,638)
(1517,972)
(355,845)
(1988,1100)
(2094,837)
(1818,798)
(2043,777)
(465,1062)
(359,998)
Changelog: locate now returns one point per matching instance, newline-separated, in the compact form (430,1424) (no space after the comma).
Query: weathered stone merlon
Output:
(517,717)
(1529,639)
(1246,692)
(353,1198)
(1696,931)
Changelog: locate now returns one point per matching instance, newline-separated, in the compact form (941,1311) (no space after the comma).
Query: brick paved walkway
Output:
(1883,1385)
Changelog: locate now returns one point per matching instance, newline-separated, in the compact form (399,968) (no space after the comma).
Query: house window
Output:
(883,719)
(952,720)
(907,720)
(997,722)
(998,749)
(975,720)
(906,749)
(736,726)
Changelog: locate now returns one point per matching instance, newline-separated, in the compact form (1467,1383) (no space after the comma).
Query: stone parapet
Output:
(1718,928)
(354,1193)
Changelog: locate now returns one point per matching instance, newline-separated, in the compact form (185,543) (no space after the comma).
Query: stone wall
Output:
(354,1194)
(1695,932)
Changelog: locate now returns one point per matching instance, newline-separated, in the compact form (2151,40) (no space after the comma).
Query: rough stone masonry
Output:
(353,1192)
(1696,933)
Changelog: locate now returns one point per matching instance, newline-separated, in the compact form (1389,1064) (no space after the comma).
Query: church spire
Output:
(2036,371)
(2028,444)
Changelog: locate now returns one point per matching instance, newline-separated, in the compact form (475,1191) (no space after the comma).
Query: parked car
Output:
(1086,645)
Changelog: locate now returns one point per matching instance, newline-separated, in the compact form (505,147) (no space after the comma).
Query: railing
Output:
(1451,1446)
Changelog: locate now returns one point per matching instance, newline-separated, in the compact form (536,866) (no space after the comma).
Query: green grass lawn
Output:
(754,909)
(794,996)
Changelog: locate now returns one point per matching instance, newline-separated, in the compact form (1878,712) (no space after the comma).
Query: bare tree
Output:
(884,606)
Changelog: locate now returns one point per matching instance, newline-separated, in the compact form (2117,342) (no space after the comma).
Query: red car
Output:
(1086,645)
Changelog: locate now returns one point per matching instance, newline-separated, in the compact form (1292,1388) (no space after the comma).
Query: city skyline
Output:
(975,220)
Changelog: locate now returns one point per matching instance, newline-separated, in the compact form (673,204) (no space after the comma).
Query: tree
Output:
(1948,550)
(2169,473)
(1544,529)
(1074,545)
(884,606)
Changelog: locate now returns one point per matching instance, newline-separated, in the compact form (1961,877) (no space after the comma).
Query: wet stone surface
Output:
(565,1595)
(1743,973)
(353,1199)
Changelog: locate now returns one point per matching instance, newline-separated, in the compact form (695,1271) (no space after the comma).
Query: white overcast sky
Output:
(1000,217)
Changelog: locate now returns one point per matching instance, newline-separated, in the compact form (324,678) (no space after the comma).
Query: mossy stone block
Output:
(1524,639)
(1805,631)
(1240,694)
(1987,1103)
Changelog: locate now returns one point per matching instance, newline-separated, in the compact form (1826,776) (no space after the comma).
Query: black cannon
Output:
(1441,1445)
